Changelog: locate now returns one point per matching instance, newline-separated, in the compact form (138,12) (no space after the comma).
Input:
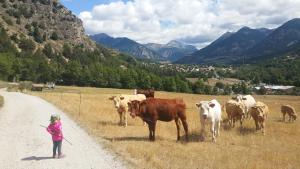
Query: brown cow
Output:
(153,109)
(259,114)
(235,111)
(287,109)
(149,93)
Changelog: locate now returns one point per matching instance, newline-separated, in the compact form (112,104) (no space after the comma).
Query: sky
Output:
(196,22)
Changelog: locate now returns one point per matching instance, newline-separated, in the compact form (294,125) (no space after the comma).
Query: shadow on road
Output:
(34,158)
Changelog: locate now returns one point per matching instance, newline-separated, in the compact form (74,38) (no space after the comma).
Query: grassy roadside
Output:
(1,101)
(3,84)
(234,149)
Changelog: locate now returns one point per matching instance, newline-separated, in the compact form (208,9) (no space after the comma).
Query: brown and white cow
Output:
(121,104)
(154,109)
(290,110)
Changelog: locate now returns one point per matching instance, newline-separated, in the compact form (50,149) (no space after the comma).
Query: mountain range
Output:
(126,45)
(249,45)
(171,51)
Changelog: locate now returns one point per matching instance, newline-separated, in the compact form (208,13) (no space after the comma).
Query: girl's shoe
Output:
(61,156)
(53,156)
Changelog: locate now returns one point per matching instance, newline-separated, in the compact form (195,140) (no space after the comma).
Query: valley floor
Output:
(236,148)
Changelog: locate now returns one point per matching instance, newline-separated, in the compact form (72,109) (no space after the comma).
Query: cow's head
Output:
(260,110)
(134,108)
(294,116)
(117,100)
(242,108)
(239,98)
(205,108)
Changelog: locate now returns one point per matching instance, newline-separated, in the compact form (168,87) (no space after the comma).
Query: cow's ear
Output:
(122,98)
(212,105)
(129,104)
(198,104)
(112,97)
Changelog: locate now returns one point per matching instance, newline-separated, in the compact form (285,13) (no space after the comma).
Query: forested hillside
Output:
(78,66)
(279,71)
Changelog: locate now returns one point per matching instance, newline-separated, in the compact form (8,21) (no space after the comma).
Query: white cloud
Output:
(160,21)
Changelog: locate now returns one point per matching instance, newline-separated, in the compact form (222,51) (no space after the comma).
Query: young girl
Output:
(55,130)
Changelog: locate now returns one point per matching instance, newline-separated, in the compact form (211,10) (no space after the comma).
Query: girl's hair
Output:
(54,118)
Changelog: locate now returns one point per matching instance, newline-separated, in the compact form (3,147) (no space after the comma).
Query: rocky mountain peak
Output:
(44,21)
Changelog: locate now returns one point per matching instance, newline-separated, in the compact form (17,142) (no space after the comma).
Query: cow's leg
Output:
(263,127)
(202,129)
(125,118)
(120,115)
(230,121)
(186,129)
(283,116)
(212,128)
(241,121)
(218,127)
(233,122)
(256,125)
(178,128)
(150,131)
(290,117)
(184,123)
(153,130)
(120,122)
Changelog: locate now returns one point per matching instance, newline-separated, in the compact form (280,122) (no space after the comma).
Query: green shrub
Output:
(7,20)
(54,36)
(25,85)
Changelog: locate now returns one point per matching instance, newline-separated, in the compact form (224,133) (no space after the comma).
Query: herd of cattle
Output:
(143,104)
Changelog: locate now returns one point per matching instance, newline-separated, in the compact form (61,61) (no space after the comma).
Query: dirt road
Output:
(24,144)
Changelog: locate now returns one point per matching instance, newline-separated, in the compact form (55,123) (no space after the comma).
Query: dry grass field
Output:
(235,148)
(3,84)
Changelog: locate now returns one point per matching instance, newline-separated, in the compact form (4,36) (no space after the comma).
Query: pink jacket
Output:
(55,130)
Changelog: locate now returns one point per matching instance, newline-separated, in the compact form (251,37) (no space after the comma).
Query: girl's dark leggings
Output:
(57,145)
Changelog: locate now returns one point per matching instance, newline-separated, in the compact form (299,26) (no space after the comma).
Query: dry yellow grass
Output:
(278,149)
(3,84)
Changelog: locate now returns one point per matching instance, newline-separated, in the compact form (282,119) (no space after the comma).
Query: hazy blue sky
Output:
(196,22)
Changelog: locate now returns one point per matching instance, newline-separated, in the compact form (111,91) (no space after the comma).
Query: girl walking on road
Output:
(55,129)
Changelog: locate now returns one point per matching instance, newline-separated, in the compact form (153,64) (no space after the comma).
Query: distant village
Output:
(260,88)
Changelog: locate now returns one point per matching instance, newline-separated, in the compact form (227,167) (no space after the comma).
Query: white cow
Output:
(248,102)
(210,110)
(121,104)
